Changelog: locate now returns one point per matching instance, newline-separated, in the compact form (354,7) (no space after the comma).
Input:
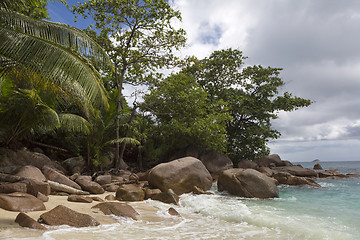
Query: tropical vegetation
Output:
(61,88)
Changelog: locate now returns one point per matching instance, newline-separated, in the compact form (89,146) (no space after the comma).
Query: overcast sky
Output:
(316,42)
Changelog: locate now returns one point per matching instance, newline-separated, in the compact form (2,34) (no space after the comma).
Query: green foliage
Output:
(185,116)
(252,96)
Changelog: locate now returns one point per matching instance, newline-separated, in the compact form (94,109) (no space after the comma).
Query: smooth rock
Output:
(296,171)
(180,175)
(78,198)
(25,221)
(317,167)
(247,183)
(55,176)
(215,162)
(62,215)
(117,209)
(129,192)
(265,170)
(166,197)
(6,187)
(31,172)
(245,164)
(103,179)
(36,186)
(271,160)
(20,202)
(42,197)
(110,197)
(112,187)
(173,212)
(288,179)
(150,192)
(88,185)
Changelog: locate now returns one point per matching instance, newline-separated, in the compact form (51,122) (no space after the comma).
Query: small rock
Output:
(317,167)
(130,192)
(112,187)
(42,197)
(198,190)
(88,185)
(110,197)
(62,215)
(78,198)
(20,202)
(118,209)
(97,199)
(151,192)
(166,197)
(103,179)
(173,212)
(25,221)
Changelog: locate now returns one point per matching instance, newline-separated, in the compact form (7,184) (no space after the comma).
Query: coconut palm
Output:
(44,65)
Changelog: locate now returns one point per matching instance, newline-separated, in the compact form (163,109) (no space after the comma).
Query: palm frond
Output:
(126,140)
(53,62)
(59,33)
(74,123)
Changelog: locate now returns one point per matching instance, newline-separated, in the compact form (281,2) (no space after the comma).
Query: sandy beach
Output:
(7,218)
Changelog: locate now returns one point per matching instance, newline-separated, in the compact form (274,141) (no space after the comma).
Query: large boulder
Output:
(129,192)
(9,187)
(180,175)
(88,185)
(244,163)
(216,162)
(55,176)
(288,179)
(117,209)
(31,172)
(296,171)
(25,221)
(74,164)
(11,160)
(271,160)
(20,202)
(247,183)
(62,215)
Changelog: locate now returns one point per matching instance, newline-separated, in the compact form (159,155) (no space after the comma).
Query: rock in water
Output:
(21,202)
(180,175)
(118,209)
(62,215)
(318,167)
(247,183)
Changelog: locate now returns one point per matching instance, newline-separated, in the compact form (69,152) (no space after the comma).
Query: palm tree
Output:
(42,65)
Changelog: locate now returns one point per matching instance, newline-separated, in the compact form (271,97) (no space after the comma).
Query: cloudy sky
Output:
(317,43)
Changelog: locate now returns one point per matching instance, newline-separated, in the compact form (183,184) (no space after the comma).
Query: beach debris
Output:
(55,176)
(62,215)
(64,188)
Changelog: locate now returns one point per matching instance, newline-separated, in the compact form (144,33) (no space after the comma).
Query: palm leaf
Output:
(53,62)
(74,123)
(59,33)
(126,140)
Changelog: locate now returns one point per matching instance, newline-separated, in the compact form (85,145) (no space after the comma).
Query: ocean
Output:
(301,212)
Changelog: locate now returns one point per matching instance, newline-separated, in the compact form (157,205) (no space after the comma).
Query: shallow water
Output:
(329,212)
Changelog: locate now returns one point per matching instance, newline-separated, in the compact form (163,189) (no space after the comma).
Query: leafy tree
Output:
(139,38)
(252,96)
(185,116)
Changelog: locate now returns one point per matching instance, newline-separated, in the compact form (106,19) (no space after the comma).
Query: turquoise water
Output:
(301,212)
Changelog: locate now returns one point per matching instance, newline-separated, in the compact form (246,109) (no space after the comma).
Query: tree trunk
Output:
(123,145)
